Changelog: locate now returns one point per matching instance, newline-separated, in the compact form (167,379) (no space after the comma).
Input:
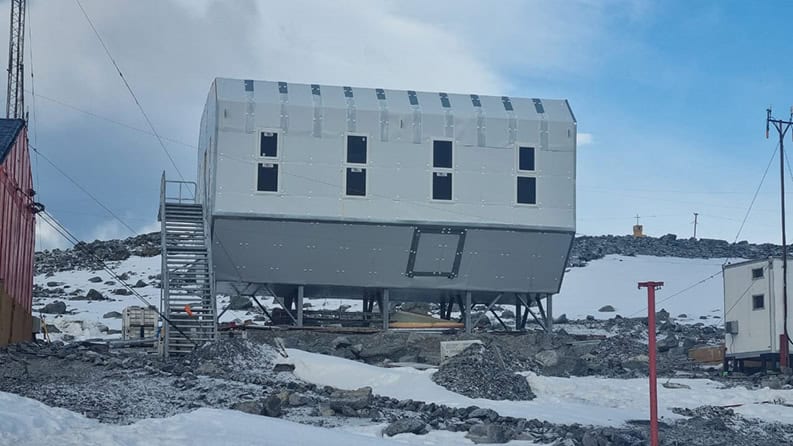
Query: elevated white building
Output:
(328,191)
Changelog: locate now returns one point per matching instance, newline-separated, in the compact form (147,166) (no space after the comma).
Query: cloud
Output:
(171,50)
(584,139)
(49,238)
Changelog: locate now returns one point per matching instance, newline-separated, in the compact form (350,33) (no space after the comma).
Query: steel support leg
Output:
(300,292)
(468,312)
(549,312)
(489,308)
(386,309)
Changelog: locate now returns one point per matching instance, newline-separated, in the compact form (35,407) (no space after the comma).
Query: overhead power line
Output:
(84,190)
(129,88)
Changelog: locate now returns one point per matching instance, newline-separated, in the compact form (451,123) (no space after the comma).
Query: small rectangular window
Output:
(757,273)
(527,190)
(526,158)
(441,186)
(267,179)
(356,181)
(268,144)
(442,154)
(356,149)
(758,302)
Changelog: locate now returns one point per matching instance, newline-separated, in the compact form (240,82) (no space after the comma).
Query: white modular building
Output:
(753,311)
(340,191)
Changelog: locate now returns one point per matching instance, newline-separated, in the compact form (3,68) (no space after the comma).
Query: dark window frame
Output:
(437,144)
(356,156)
(758,304)
(259,171)
(351,171)
(755,274)
(533,162)
(518,190)
(276,135)
(436,175)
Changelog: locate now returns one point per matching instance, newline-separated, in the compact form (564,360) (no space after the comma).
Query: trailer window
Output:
(442,154)
(526,158)
(267,178)
(757,273)
(356,182)
(758,302)
(356,149)
(527,190)
(268,144)
(441,186)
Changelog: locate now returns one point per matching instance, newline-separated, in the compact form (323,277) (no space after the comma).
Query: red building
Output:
(17,233)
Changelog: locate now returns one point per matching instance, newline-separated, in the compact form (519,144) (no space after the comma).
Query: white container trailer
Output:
(330,191)
(753,311)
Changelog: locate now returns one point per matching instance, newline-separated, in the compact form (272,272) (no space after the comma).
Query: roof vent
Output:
(507,103)
(282,88)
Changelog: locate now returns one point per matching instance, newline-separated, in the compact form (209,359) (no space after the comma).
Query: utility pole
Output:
(15,95)
(651,288)
(696,214)
(782,127)
(637,219)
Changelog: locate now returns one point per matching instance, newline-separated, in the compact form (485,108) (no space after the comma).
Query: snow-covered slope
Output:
(613,281)
(26,422)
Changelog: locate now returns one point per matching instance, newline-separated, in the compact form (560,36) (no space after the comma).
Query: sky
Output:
(670,97)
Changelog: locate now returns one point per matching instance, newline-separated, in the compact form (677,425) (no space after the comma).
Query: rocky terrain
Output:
(122,386)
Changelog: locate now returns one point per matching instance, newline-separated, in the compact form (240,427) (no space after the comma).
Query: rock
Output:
(124,276)
(488,433)
(682,316)
(272,406)
(507,314)
(94,295)
(95,279)
(238,303)
(340,342)
(356,399)
(561,319)
(667,343)
(122,292)
(415,307)
(55,284)
(547,358)
(283,367)
(589,317)
(297,400)
(57,307)
(140,284)
(404,426)
(483,414)
(251,407)
(112,315)
(606,309)
(662,315)
(110,283)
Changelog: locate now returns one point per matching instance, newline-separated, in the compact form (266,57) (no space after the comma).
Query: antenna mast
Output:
(15,97)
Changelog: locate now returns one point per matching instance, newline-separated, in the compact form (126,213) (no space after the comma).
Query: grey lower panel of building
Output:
(414,262)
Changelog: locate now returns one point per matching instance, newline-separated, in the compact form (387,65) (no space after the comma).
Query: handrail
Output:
(181,192)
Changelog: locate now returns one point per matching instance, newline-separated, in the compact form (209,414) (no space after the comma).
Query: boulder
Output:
(547,358)
(57,307)
(124,276)
(483,414)
(404,426)
(54,284)
(667,343)
(112,315)
(272,406)
(140,284)
(94,295)
(340,342)
(662,315)
(122,292)
(297,400)
(95,279)
(507,314)
(606,309)
(356,399)
(488,433)
(251,407)
(561,319)
(283,367)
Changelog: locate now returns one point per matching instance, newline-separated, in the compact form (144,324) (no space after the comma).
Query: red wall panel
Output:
(17,224)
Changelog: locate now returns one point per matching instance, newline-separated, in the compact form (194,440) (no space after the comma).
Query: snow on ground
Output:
(613,281)
(584,400)
(27,422)
(86,317)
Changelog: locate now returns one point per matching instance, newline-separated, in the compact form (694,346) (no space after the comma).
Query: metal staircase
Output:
(188,298)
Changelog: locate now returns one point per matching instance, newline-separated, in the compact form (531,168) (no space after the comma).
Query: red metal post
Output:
(651,287)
